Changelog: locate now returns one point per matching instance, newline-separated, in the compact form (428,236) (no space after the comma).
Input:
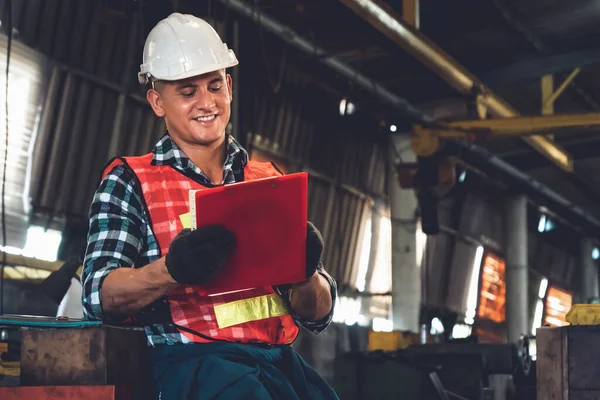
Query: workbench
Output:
(74,359)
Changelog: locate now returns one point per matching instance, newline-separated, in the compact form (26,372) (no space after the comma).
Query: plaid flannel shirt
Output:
(120,235)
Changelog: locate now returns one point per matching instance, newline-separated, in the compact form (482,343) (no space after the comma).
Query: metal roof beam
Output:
(336,63)
(581,149)
(537,67)
(412,41)
(471,152)
(537,43)
(16,260)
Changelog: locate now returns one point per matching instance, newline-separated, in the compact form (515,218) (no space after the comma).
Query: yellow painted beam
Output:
(525,125)
(17,260)
(25,273)
(410,12)
(552,151)
(552,98)
(425,141)
(386,20)
(11,273)
(547,92)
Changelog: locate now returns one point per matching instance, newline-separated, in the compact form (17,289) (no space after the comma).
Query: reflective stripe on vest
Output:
(256,315)
(253,309)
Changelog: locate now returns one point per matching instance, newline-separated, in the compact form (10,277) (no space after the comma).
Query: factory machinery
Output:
(461,370)
(62,358)
(559,363)
(65,359)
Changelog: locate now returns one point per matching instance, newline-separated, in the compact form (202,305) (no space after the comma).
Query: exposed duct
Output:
(471,152)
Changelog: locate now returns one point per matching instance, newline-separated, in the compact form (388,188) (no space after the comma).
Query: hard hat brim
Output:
(145,77)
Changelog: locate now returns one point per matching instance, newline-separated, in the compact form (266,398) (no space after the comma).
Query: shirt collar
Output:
(166,152)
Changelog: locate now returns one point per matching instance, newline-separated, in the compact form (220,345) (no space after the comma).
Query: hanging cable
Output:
(8,14)
(275,84)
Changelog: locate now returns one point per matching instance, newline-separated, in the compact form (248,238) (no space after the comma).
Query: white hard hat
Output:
(181,46)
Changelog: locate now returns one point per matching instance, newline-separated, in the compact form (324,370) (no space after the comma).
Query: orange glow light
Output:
(492,298)
(558,304)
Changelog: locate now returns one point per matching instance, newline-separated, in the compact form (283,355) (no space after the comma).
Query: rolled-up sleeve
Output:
(319,326)
(115,236)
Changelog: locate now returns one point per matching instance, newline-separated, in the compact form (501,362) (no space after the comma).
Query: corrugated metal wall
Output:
(27,81)
(448,261)
(305,126)
(300,128)
(86,35)
(553,262)
(435,264)
(91,48)
(482,220)
(77,137)
(94,49)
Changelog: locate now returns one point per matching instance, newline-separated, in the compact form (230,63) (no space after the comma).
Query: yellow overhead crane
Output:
(19,267)
(404,31)
(426,140)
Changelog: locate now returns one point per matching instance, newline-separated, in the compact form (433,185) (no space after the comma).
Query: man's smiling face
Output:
(196,110)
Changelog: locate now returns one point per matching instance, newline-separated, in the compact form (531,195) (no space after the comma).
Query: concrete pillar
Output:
(589,272)
(406,278)
(517,315)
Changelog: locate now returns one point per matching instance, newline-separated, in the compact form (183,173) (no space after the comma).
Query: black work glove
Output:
(314,249)
(196,256)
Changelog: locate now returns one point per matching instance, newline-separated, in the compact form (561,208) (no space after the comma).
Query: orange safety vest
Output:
(256,315)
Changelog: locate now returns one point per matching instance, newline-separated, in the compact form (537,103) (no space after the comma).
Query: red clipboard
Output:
(268,217)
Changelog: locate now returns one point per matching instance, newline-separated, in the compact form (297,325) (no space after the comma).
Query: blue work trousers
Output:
(226,371)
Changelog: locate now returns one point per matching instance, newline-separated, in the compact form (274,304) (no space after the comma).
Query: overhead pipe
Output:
(470,151)
(542,48)
(290,36)
(412,41)
(547,64)
(489,163)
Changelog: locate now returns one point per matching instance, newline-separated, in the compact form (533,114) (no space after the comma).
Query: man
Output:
(134,222)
